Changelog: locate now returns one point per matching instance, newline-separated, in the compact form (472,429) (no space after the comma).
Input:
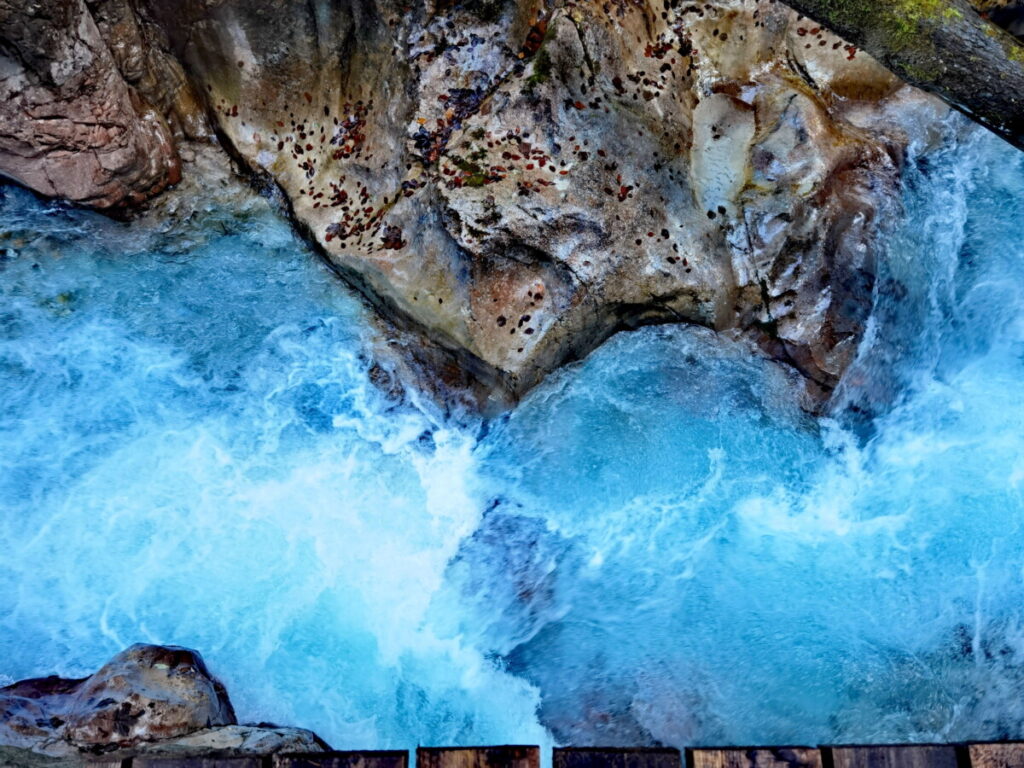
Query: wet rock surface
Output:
(147,700)
(519,180)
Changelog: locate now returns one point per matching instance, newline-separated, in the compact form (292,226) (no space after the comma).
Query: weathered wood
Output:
(997,755)
(597,757)
(928,756)
(365,759)
(197,762)
(767,757)
(942,46)
(478,757)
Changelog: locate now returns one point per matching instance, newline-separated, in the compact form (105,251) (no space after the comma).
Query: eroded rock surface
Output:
(236,741)
(524,179)
(149,700)
(71,124)
(519,179)
(145,693)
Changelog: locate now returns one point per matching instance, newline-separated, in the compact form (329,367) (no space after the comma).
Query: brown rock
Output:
(516,181)
(146,693)
(70,126)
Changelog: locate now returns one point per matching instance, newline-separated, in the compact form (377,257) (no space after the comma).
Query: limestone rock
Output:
(235,741)
(519,179)
(227,741)
(523,179)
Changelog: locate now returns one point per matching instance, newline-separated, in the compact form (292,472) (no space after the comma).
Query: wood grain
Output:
(478,757)
(895,757)
(572,757)
(997,755)
(767,757)
(197,762)
(364,759)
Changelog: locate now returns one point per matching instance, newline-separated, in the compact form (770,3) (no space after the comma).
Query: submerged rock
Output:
(520,179)
(148,699)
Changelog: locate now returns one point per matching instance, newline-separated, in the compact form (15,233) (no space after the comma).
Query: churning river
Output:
(657,545)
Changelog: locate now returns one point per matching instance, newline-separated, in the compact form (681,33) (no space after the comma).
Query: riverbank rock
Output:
(523,179)
(144,694)
(516,180)
(158,701)
(75,121)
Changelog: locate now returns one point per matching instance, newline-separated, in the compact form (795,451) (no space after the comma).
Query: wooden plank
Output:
(478,757)
(197,762)
(609,757)
(1009,755)
(910,756)
(757,757)
(361,759)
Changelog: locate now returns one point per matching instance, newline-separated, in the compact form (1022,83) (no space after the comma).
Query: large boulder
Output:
(144,694)
(522,179)
(72,124)
(515,180)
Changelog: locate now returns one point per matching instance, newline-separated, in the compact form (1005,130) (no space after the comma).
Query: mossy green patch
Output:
(901,20)
(488,11)
(466,165)
(541,70)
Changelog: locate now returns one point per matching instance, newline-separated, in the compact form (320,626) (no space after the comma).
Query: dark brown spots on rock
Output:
(392,238)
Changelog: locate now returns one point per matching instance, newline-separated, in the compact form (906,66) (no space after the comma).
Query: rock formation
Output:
(942,46)
(519,179)
(71,125)
(146,700)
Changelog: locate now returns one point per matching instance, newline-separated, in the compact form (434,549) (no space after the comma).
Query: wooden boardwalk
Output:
(988,755)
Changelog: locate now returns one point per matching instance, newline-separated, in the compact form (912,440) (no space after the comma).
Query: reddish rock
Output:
(70,126)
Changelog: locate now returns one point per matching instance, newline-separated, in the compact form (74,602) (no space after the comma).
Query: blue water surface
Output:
(657,545)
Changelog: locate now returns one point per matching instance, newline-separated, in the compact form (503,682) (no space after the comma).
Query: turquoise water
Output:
(658,545)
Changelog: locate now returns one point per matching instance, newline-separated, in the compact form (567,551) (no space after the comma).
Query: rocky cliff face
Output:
(520,179)
(74,118)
